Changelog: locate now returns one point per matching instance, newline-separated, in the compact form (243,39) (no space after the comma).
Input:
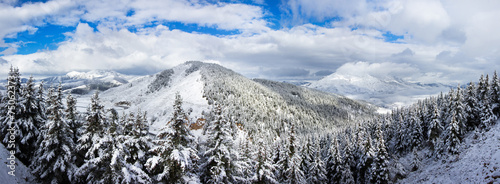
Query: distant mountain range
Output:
(385,91)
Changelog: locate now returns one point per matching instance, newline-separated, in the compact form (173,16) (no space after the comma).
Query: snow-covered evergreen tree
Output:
(337,169)
(136,140)
(175,157)
(293,173)
(495,91)
(222,164)
(435,128)
(379,170)
(317,170)
(472,108)
(264,167)
(109,164)
(27,119)
(366,152)
(72,117)
(416,135)
(453,136)
(53,160)
(93,128)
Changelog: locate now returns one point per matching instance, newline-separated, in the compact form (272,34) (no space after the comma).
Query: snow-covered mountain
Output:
(385,91)
(247,101)
(83,82)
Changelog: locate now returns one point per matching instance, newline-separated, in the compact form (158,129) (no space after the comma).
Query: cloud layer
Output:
(450,41)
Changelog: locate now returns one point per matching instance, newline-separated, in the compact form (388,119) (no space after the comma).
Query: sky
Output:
(449,41)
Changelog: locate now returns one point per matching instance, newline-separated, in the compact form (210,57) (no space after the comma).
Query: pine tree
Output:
(72,117)
(495,91)
(380,172)
(264,168)
(435,128)
(27,117)
(317,170)
(366,153)
(222,164)
(472,107)
(453,136)
(293,174)
(416,136)
(175,153)
(109,164)
(93,128)
(53,160)
(458,108)
(136,141)
(337,168)
(89,144)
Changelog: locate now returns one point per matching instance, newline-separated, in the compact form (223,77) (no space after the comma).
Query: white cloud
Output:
(455,40)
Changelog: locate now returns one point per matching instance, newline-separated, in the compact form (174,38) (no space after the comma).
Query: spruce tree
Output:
(27,117)
(435,128)
(136,139)
(380,171)
(90,142)
(53,160)
(175,155)
(72,117)
(264,167)
(221,165)
(472,107)
(317,170)
(293,174)
(453,136)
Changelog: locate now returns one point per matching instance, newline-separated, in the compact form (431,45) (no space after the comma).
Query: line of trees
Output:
(62,145)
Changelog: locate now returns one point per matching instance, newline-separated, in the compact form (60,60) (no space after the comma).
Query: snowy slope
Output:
(201,84)
(22,173)
(158,104)
(385,91)
(478,162)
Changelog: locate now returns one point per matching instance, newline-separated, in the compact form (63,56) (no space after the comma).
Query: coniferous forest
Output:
(62,145)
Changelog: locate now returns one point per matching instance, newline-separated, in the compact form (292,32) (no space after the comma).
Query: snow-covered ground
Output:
(478,162)
(22,173)
(159,104)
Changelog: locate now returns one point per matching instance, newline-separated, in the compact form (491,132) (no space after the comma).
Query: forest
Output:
(62,145)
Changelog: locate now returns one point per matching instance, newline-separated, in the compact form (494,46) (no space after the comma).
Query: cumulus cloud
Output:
(452,40)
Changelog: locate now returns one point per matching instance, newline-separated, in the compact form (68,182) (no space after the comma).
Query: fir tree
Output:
(453,136)
(93,128)
(472,107)
(136,140)
(317,171)
(293,174)
(27,117)
(221,165)
(264,168)
(416,136)
(89,144)
(53,161)
(435,128)
(175,155)
(495,91)
(380,171)
(109,165)
(72,117)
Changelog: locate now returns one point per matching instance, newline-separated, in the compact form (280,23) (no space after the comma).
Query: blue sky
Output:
(448,41)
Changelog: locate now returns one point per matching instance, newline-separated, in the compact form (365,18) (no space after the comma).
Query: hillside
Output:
(385,91)
(478,162)
(247,101)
